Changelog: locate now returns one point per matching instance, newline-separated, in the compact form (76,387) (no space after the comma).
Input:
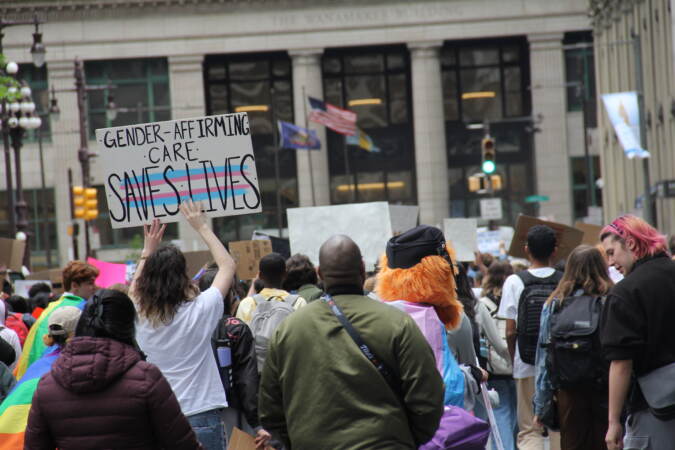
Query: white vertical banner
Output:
(623,111)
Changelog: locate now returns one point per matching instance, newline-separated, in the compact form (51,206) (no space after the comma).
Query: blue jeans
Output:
(208,426)
(505,413)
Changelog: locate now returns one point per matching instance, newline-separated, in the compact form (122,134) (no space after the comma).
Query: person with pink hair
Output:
(636,335)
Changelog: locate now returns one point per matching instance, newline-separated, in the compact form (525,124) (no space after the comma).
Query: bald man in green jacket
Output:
(319,391)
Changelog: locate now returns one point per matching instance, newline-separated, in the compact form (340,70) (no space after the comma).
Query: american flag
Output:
(337,119)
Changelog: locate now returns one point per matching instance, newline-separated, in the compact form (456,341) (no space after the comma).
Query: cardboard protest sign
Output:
(55,277)
(591,233)
(151,168)
(567,237)
(370,225)
(11,253)
(194,261)
(108,273)
(247,254)
(241,440)
(462,235)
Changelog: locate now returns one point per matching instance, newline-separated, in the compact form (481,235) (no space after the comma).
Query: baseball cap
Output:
(63,320)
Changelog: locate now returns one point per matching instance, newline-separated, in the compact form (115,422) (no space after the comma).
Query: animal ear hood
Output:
(430,281)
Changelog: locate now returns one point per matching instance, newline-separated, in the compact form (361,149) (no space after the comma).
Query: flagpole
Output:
(347,171)
(275,145)
(309,152)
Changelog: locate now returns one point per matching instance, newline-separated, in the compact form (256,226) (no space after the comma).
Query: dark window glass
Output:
(141,92)
(481,94)
(478,56)
(262,86)
(375,84)
(580,75)
(450,101)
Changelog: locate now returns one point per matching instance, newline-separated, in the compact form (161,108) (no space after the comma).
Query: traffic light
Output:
(90,204)
(489,153)
(85,203)
(78,202)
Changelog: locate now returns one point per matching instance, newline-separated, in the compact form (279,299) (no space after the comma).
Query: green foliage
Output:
(7,81)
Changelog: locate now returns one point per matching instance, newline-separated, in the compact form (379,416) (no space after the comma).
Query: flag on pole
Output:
(337,119)
(293,136)
(624,113)
(361,139)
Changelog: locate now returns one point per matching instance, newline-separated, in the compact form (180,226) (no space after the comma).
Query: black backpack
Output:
(537,290)
(574,352)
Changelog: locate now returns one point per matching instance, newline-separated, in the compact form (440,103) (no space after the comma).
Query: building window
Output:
(261,85)
(580,193)
(41,215)
(374,83)
(580,74)
(487,81)
(121,237)
(141,92)
(37,80)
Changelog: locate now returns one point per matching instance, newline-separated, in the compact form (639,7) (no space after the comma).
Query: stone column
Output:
(307,75)
(431,161)
(187,100)
(552,163)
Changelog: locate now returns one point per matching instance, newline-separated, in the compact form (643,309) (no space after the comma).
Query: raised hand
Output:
(153,237)
(193,213)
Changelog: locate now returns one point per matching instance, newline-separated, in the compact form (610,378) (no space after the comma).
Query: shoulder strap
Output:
(526,277)
(356,337)
(291,299)
(258,299)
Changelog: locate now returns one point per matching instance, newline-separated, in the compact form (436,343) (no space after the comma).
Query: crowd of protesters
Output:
(424,352)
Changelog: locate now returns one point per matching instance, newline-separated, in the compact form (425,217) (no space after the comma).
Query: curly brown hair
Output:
(163,286)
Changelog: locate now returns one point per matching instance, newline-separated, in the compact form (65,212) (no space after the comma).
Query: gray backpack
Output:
(268,315)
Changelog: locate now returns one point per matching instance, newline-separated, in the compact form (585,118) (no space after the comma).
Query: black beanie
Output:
(408,249)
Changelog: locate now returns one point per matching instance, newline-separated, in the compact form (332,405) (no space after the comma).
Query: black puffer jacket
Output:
(243,393)
(100,394)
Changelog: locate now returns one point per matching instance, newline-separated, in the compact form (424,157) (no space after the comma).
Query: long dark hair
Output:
(497,274)
(163,286)
(109,314)
(465,294)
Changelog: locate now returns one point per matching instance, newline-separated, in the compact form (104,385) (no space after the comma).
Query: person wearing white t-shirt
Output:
(540,250)
(175,323)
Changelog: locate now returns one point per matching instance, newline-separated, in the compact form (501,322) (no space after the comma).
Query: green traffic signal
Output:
(488,166)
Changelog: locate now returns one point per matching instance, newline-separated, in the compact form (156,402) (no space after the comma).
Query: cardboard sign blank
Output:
(194,261)
(241,441)
(591,233)
(567,237)
(11,253)
(462,235)
(247,254)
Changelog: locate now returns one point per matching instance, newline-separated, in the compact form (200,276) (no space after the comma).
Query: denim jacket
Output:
(544,390)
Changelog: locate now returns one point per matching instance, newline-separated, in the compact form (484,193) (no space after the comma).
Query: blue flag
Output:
(293,136)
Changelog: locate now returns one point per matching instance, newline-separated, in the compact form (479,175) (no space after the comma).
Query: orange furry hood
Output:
(430,281)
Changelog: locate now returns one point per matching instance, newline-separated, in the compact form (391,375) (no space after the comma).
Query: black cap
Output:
(408,249)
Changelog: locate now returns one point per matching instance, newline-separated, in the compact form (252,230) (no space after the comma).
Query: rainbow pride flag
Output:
(15,408)
(34,348)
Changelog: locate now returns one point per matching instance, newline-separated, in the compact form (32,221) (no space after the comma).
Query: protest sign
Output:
(247,254)
(21,287)
(151,168)
(370,225)
(462,235)
(11,253)
(491,208)
(591,232)
(241,440)
(567,237)
(489,241)
(195,261)
(108,273)
(403,218)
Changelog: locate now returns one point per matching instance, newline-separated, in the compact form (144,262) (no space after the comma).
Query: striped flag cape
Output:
(34,348)
(16,406)
(337,119)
